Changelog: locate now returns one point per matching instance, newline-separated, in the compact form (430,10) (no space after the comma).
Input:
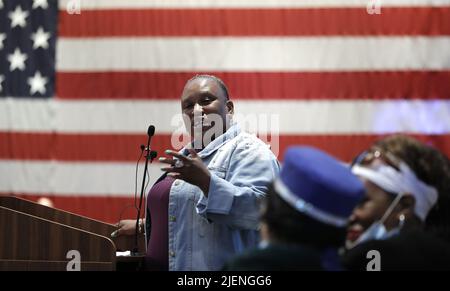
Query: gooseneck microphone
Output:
(149,155)
(150,132)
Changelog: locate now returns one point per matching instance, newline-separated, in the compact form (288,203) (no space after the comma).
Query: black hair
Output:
(215,79)
(287,225)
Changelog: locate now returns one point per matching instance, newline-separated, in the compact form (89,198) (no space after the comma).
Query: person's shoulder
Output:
(424,240)
(276,258)
(248,146)
(410,250)
(251,260)
(250,140)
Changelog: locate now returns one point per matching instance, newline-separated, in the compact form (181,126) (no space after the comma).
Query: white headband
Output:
(401,182)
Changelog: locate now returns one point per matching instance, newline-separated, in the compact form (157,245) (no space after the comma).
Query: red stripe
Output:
(274,85)
(104,208)
(125,148)
(429,21)
(347,147)
(76,147)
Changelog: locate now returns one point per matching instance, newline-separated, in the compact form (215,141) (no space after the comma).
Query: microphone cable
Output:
(135,188)
(136,176)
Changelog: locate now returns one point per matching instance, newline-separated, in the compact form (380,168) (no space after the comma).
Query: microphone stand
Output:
(149,155)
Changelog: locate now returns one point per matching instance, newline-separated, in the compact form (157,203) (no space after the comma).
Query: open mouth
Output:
(354,232)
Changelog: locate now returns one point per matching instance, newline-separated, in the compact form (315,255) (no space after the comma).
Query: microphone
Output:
(150,155)
(151,131)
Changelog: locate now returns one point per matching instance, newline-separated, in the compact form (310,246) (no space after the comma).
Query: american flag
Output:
(78,91)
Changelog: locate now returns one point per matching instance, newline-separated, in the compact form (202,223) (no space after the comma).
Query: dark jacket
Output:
(413,250)
(277,258)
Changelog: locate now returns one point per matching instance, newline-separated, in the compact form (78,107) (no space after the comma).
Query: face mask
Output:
(263,244)
(377,231)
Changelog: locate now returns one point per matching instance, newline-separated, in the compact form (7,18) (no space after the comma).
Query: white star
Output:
(2,78)
(40,38)
(17,60)
(37,83)
(40,3)
(18,17)
(2,38)
(1,4)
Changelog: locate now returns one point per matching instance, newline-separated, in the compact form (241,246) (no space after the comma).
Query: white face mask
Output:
(377,231)
(263,244)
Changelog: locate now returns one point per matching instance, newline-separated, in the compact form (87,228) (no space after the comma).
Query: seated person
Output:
(304,216)
(403,178)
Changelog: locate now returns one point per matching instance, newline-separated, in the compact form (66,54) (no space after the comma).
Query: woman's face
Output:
(205,107)
(369,210)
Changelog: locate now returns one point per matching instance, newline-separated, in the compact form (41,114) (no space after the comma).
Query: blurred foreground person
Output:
(304,216)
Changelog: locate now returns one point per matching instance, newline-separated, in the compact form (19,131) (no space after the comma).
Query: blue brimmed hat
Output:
(318,185)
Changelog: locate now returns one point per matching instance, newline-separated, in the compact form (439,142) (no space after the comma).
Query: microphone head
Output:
(142,147)
(151,130)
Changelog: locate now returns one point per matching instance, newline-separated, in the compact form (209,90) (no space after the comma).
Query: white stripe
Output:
(72,178)
(294,117)
(137,4)
(253,54)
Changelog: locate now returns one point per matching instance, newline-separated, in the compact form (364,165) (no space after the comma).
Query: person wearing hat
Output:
(404,180)
(304,215)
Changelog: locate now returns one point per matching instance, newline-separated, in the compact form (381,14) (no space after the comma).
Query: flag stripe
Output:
(268,85)
(285,117)
(253,54)
(118,179)
(250,22)
(72,178)
(77,147)
(125,148)
(324,73)
(138,4)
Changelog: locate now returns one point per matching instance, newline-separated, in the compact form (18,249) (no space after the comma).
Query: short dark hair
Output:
(287,225)
(431,167)
(215,79)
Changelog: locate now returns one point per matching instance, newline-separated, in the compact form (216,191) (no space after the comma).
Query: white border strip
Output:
(178,4)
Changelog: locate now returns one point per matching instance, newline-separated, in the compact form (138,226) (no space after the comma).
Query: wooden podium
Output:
(37,237)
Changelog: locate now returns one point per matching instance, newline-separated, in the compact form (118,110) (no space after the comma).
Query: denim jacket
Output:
(205,232)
